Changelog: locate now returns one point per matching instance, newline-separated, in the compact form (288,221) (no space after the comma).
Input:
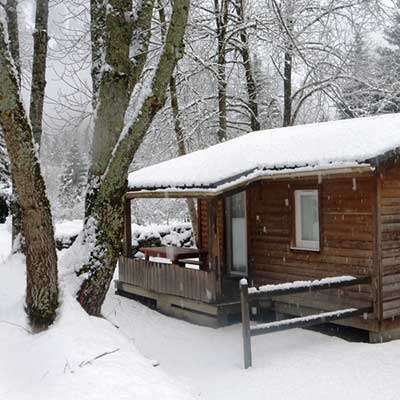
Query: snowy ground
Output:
(194,362)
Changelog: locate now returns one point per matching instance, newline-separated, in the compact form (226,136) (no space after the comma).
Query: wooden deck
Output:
(169,279)
(185,293)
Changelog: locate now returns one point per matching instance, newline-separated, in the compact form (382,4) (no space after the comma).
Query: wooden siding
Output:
(347,239)
(389,188)
(169,279)
(203,226)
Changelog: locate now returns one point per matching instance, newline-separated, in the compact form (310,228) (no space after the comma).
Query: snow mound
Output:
(68,228)
(79,357)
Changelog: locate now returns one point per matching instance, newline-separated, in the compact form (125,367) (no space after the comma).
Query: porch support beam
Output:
(214,257)
(127,242)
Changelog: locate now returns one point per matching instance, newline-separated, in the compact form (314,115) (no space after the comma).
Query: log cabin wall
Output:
(389,198)
(203,226)
(347,240)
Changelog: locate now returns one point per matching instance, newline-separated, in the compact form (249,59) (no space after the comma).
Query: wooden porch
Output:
(191,294)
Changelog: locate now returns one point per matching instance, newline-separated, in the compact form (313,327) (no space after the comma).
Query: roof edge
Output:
(245,180)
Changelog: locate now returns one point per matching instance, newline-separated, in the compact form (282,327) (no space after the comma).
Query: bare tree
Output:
(247,64)
(178,127)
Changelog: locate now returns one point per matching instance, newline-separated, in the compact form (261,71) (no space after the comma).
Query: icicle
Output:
(354,184)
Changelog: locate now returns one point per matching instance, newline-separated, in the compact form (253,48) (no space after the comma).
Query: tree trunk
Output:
(221,20)
(114,85)
(41,258)
(107,201)
(180,139)
(250,81)
(40,39)
(287,89)
(288,64)
(179,132)
(13,34)
(98,40)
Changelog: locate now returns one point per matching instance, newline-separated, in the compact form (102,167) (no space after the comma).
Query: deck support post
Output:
(244,301)
(214,259)
(127,243)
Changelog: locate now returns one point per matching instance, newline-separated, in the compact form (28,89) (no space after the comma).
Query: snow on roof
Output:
(313,147)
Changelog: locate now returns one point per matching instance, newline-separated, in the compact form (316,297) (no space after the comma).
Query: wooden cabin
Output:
(283,205)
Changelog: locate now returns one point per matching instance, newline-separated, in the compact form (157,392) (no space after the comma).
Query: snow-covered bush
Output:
(180,235)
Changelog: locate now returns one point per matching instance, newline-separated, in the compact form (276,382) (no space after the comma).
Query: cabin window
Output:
(236,231)
(307,219)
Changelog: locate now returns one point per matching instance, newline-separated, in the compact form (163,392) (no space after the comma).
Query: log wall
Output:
(347,239)
(389,198)
(203,218)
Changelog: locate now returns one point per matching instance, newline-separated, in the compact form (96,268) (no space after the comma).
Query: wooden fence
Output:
(250,295)
(169,279)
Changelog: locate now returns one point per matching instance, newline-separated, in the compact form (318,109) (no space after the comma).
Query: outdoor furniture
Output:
(173,253)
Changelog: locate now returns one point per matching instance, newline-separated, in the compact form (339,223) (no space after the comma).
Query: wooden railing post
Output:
(244,294)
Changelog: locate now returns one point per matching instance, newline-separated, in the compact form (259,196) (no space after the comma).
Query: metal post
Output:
(244,292)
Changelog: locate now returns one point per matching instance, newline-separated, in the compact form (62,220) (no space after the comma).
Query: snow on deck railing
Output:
(247,295)
(300,284)
(307,318)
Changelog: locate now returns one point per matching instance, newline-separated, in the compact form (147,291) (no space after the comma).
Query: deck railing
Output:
(169,279)
(248,295)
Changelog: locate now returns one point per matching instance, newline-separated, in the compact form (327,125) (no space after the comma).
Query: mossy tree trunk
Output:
(115,76)
(107,199)
(40,40)
(41,258)
(13,34)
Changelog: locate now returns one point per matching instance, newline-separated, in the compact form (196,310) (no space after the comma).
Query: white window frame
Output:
(311,245)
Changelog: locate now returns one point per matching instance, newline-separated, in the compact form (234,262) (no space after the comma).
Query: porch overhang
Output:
(238,182)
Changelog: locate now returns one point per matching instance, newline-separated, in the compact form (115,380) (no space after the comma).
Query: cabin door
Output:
(236,230)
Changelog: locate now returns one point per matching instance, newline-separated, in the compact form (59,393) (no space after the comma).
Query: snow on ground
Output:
(194,362)
(66,362)
(291,365)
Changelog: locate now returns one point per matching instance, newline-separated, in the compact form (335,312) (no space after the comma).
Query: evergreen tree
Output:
(357,97)
(389,66)
(73,178)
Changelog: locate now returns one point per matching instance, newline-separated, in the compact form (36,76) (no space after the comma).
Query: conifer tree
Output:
(73,178)
(357,98)
(389,66)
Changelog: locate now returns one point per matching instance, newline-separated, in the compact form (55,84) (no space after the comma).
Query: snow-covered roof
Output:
(303,149)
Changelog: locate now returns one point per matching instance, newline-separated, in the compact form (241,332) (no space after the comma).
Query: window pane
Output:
(237,228)
(239,245)
(309,217)
(238,205)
